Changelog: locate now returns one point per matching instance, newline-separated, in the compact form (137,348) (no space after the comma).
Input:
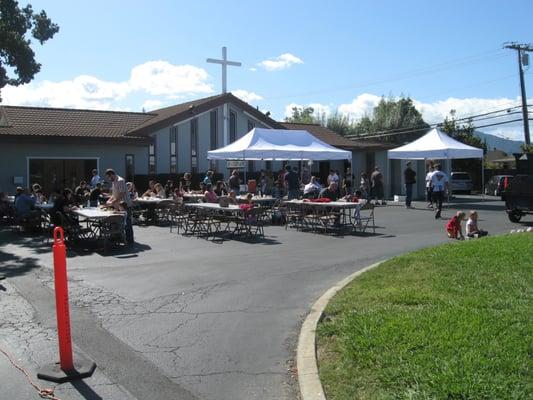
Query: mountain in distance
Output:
(506,145)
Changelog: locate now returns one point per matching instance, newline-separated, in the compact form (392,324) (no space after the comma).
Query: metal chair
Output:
(112,230)
(366,216)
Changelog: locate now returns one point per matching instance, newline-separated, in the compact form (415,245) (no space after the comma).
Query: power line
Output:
(371,136)
(471,118)
(405,75)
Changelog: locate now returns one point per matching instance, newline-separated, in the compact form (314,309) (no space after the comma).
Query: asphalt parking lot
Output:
(181,317)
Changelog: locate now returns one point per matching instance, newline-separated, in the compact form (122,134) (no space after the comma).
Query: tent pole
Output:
(482,179)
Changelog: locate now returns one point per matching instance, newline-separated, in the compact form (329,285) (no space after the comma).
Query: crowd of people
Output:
(115,193)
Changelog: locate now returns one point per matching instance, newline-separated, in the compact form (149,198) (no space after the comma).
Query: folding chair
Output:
(366,216)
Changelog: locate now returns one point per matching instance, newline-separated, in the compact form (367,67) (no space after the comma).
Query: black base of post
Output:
(83,368)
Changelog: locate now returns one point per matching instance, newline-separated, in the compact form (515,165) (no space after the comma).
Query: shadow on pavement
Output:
(13,265)
(85,390)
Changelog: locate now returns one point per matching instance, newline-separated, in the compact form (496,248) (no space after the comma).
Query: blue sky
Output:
(334,55)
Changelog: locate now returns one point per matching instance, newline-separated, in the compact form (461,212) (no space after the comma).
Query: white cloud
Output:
(360,106)
(152,104)
(252,69)
(161,77)
(85,91)
(247,96)
(284,61)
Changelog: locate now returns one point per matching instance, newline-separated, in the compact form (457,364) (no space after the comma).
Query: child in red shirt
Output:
(453,227)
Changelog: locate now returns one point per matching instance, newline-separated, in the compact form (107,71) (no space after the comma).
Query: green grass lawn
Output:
(450,322)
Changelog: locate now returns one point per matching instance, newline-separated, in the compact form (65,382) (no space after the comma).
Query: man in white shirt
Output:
(428,186)
(312,188)
(119,190)
(439,185)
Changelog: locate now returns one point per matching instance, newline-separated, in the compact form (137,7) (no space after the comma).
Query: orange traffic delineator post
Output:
(66,369)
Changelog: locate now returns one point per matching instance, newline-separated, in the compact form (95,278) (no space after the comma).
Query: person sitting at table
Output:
(62,204)
(169,188)
(40,198)
(232,197)
(25,206)
(220,189)
(159,191)
(329,192)
(18,192)
(312,189)
(209,195)
(132,191)
(95,195)
(208,178)
(186,182)
(150,190)
(81,193)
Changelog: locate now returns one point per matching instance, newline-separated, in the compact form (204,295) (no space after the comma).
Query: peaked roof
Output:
(181,112)
(63,122)
(279,144)
(333,138)
(435,145)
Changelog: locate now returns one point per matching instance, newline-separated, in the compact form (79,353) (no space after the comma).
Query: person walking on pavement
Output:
(410,180)
(439,185)
(428,186)
(377,185)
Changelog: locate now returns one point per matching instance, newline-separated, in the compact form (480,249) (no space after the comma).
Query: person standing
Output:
(377,185)
(234,182)
(292,182)
(428,186)
(410,179)
(119,190)
(439,185)
(95,179)
(364,185)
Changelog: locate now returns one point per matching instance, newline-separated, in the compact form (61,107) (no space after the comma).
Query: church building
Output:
(59,147)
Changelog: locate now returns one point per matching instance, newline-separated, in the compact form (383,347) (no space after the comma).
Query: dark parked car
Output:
(519,197)
(497,184)
(461,182)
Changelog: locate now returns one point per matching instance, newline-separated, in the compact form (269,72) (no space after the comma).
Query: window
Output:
(213,128)
(194,145)
(151,159)
(173,142)
(130,167)
(213,143)
(232,127)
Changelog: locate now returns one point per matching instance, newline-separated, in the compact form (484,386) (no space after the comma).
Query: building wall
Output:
(14,158)
(183,146)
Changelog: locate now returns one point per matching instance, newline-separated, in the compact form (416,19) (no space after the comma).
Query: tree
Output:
(462,132)
(465,134)
(17,26)
(301,115)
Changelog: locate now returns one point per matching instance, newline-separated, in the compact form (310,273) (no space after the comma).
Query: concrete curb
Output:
(306,362)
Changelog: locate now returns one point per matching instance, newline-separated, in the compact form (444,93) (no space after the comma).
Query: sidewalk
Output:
(31,345)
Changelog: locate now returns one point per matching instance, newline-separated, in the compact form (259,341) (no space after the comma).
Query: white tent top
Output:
(435,145)
(278,144)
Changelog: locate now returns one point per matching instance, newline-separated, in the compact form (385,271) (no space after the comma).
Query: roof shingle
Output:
(39,121)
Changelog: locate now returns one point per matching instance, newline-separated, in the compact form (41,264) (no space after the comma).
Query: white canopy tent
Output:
(437,145)
(279,145)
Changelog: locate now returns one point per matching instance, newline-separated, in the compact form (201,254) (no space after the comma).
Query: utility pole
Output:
(521,49)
